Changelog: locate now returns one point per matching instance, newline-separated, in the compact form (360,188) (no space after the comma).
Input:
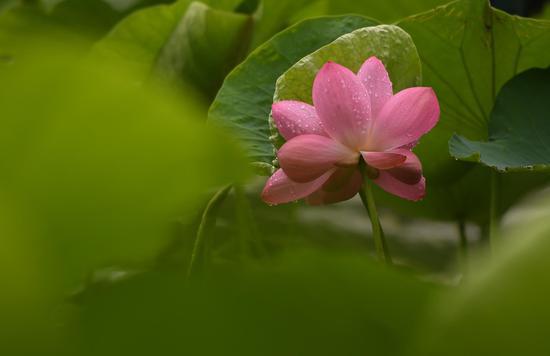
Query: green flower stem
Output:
(494,214)
(208,219)
(367,198)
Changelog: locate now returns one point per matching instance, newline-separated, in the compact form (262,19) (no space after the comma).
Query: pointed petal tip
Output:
(266,196)
(279,189)
(327,65)
(276,105)
(422,190)
(333,66)
(420,198)
(374,62)
(412,192)
(426,91)
(377,82)
(434,102)
(374,59)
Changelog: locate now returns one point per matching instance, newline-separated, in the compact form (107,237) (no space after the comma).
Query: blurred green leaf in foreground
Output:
(304,303)
(502,307)
(96,168)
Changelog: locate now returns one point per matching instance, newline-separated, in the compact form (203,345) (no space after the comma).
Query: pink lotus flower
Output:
(353,116)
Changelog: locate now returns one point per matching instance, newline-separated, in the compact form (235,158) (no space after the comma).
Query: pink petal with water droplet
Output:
(376,80)
(346,191)
(294,118)
(307,157)
(280,189)
(342,104)
(404,119)
(383,160)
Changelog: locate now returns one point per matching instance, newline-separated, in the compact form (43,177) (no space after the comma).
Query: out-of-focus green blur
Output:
(96,171)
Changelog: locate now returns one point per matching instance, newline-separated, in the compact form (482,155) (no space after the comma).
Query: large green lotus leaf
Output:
(519,130)
(100,167)
(244,102)
(186,41)
(502,307)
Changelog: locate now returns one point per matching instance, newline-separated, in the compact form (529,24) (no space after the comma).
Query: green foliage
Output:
(33,17)
(502,308)
(518,131)
(244,102)
(59,22)
(186,41)
(194,42)
(545,14)
(100,168)
(25,303)
(304,303)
